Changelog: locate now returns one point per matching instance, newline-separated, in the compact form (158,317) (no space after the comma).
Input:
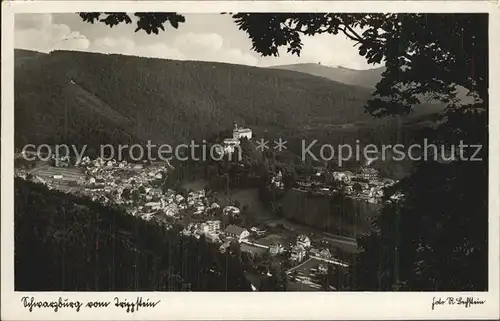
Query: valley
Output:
(88,99)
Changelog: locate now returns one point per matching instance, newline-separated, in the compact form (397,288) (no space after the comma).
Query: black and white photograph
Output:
(246,151)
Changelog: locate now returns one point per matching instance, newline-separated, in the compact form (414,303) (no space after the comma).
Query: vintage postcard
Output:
(250,160)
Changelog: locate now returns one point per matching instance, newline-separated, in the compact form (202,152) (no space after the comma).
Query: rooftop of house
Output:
(297,249)
(302,238)
(242,130)
(233,209)
(269,243)
(233,229)
(238,127)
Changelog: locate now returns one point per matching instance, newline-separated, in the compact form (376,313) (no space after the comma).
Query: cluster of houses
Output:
(251,241)
(134,186)
(170,204)
(277,180)
(137,187)
(110,181)
(366,185)
(304,248)
(211,229)
(214,231)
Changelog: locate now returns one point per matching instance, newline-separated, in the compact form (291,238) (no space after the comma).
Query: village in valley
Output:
(139,188)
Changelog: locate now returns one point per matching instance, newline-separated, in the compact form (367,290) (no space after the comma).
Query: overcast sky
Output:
(207,37)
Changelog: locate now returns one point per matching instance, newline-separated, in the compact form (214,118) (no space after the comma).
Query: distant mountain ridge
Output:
(367,78)
(364,78)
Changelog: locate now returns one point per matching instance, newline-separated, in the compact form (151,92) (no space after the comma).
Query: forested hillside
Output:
(114,99)
(67,243)
(365,78)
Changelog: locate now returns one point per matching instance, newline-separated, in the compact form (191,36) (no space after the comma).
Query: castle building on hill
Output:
(229,145)
(240,132)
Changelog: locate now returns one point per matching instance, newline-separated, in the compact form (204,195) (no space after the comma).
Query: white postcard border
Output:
(260,305)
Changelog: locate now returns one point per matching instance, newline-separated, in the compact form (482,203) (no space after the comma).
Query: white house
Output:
(242,133)
(304,241)
(397,196)
(213,226)
(230,145)
(388,182)
(38,179)
(257,230)
(171,209)
(199,209)
(342,176)
(278,180)
(369,173)
(153,205)
(376,192)
(204,228)
(298,253)
(276,248)
(231,210)
(325,254)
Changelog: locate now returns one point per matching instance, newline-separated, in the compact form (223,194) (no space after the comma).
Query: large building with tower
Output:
(240,132)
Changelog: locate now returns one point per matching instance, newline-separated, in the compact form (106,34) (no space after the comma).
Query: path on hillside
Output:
(300,265)
(340,239)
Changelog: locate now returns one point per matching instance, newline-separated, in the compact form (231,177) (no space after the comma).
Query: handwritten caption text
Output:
(31,303)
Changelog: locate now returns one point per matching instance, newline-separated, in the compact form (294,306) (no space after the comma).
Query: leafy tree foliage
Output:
(328,280)
(277,281)
(149,22)
(436,244)
(357,187)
